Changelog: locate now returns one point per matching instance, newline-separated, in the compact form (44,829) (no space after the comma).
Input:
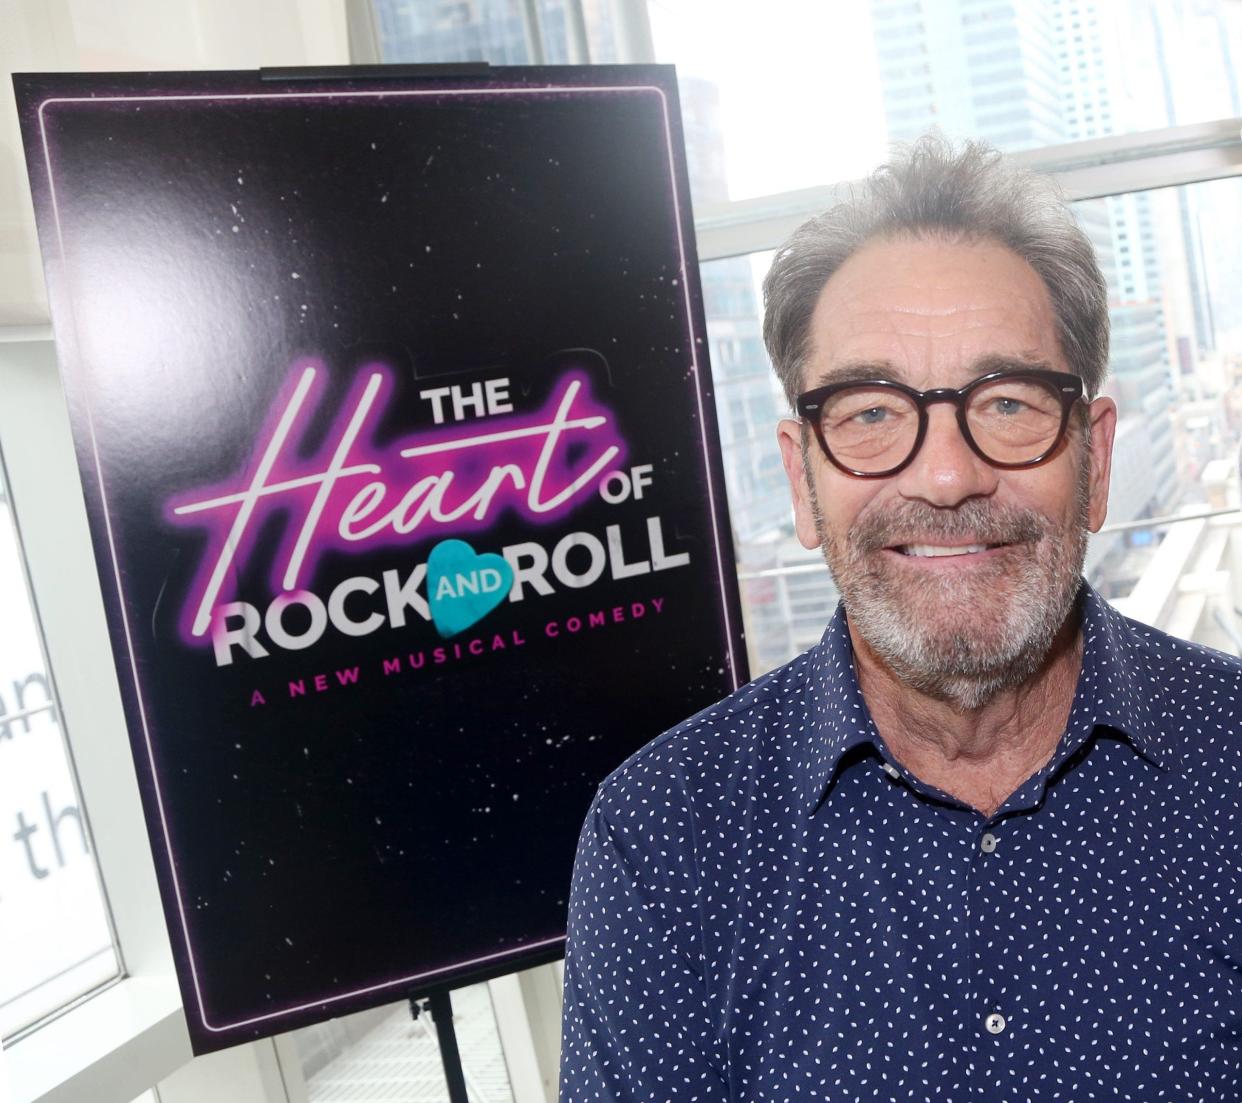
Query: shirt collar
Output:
(1114,691)
(839,719)
(1116,687)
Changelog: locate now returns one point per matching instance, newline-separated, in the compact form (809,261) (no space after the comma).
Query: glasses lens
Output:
(869,429)
(1014,420)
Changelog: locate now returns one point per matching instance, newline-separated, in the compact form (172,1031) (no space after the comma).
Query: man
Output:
(982,841)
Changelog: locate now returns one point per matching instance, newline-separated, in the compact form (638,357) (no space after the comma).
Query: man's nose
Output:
(946,470)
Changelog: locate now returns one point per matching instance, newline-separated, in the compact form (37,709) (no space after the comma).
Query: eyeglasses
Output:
(874,428)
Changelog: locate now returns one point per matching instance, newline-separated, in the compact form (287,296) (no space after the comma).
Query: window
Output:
(398,1057)
(1176,375)
(497,31)
(1177,379)
(773,80)
(58,943)
(776,78)
(445,32)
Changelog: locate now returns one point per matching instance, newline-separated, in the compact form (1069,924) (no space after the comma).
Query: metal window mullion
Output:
(1120,526)
(362,33)
(1085,170)
(1143,145)
(533,31)
(632,26)
(576,32)
(753,225)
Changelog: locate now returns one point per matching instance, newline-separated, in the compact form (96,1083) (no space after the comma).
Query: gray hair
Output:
(931,190)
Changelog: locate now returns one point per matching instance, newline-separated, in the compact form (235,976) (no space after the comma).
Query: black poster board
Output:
(396,433)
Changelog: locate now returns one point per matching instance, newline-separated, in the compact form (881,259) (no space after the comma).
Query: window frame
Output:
(47,501)
(1090,169)
(54,708)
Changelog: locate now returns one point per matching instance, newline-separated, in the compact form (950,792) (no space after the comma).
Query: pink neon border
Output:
(711,489)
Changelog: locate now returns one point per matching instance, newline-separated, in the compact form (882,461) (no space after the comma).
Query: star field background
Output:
(407,824)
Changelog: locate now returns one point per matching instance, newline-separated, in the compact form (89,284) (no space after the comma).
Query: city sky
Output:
(778,68)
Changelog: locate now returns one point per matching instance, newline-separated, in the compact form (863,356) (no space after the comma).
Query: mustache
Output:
(971,522)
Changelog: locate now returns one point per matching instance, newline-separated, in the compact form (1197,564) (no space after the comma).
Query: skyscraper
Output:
(980,68)
(748,402)
(1022,74)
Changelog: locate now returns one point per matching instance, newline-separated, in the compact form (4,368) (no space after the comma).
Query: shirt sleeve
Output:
(635,1022)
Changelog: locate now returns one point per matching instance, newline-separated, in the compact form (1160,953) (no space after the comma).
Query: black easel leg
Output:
(442,1015)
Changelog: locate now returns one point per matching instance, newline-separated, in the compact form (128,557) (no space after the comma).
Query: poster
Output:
(396,432)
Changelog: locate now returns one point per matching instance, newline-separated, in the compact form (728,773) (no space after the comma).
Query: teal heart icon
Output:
(464,586)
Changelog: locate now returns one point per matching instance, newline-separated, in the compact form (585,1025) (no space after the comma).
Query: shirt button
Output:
(987,844)
(892,771)
(995,1023)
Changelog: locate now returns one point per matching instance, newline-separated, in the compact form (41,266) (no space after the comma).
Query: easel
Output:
(529,1002)
(439,1005)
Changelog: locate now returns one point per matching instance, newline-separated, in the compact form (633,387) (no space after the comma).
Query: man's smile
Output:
(950,553)
(931,551)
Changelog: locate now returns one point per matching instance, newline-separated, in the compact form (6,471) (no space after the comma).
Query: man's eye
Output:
(1008,406)
(873,415)
(868,410)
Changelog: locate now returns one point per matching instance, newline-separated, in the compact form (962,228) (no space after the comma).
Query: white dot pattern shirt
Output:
(767,906)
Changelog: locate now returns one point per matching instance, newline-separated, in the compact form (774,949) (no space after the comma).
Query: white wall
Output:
(99,35)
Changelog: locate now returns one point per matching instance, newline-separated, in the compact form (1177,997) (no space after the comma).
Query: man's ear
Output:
(789,434)
(1102,416)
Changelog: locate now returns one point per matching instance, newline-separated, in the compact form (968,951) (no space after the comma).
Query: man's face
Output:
(962,626)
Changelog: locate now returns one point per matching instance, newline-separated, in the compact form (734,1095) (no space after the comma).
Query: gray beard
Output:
(962,641)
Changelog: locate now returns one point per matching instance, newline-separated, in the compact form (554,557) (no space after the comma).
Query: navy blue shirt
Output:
(767,906)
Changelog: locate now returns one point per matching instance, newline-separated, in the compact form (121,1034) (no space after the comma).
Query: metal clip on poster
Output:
(450,71)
